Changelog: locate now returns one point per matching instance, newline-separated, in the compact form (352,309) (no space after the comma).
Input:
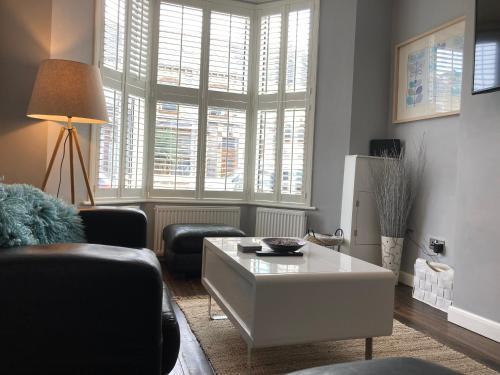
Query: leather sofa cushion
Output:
(386,366)
(188,238)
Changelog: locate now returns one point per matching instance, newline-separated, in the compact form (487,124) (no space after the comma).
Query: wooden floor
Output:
(192,360)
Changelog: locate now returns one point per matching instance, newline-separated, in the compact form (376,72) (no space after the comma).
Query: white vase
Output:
(392,248)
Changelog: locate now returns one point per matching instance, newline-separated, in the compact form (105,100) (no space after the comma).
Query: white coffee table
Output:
(324,295)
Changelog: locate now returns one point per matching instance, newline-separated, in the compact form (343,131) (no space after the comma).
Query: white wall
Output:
(72,38)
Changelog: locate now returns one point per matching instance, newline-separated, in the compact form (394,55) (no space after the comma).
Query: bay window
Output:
(206,99)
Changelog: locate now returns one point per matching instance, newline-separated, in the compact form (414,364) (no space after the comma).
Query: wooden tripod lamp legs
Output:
(71,170)
(53,157)
(85,175)
(73,139)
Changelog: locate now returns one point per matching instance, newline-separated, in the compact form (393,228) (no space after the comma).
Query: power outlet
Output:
(437,246)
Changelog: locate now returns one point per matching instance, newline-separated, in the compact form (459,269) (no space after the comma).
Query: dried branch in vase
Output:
(395,181)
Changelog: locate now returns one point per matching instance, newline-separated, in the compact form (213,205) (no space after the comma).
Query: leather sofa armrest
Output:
(115,226)
(93,308)
(170,333)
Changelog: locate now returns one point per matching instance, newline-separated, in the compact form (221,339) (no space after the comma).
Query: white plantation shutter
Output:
(229,52)
(175,166)
(205,74)
(295,123)
(269,54)
(265,152)
(114,34)
(176,143)
(298,50)
(225,156)
(292,170)
(135,106)
(119,168)
(134,143)
(108,172)
(290,51)
(139,39)
(179,46)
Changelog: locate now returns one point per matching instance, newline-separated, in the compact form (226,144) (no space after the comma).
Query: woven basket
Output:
(326,240)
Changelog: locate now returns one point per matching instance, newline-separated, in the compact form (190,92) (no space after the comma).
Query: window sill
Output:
(196,202)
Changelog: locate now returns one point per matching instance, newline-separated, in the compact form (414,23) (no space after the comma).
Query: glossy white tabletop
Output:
(316,259)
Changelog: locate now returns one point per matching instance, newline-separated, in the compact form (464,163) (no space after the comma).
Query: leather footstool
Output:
(184,244)
(386,366)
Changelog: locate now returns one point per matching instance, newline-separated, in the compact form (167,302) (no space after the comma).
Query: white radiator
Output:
(165,215)
(272,222)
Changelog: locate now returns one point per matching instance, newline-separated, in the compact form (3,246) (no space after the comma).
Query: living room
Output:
(206,129)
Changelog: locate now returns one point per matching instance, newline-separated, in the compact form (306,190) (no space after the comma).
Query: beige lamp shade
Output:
(64,89)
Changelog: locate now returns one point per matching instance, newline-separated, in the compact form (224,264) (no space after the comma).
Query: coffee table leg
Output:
(369,348)
(213,317)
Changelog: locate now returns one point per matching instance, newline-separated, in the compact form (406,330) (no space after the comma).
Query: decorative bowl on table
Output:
(284,245)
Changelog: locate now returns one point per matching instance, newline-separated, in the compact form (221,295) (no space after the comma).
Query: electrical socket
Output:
(437,246)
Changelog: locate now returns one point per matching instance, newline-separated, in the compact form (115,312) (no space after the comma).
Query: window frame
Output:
(203,98)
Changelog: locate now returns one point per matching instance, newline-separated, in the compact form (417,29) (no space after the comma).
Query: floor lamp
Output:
(70,92)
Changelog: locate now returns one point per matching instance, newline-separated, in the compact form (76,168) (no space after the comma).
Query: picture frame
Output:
(428,74)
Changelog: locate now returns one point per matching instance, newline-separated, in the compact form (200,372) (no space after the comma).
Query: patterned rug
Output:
(227,353)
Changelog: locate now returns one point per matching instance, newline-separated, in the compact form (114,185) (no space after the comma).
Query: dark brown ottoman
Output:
(184,244)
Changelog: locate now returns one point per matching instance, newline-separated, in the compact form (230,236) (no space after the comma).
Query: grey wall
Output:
(31,31)
(461,185)
(72,38)
(371,74)
(333,110)
(25,42)
(477,254)
(351,95)
(435,208)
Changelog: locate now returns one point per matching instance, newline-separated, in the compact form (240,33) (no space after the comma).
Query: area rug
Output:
(226,350)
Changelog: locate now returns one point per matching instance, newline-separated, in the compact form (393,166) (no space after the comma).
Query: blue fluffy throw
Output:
(29,216)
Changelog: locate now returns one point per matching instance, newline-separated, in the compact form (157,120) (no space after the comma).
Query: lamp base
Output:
(73,138)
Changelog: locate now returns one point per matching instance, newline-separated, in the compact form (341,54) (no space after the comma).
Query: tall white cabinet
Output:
(359,219)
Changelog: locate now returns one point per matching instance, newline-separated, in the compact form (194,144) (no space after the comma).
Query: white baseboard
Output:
(406,278)
(475,323)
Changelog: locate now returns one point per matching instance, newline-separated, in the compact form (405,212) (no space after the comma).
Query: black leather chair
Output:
(87,308)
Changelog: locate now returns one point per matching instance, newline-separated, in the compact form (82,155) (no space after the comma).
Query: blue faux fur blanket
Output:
(29,216)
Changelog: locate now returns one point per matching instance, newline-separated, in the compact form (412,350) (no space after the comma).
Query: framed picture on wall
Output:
(428,74)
